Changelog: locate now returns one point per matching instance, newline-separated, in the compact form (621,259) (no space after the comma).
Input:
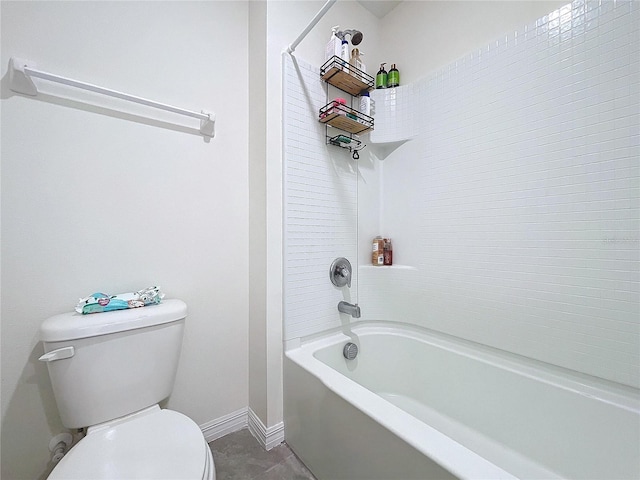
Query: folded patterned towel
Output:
(101,302)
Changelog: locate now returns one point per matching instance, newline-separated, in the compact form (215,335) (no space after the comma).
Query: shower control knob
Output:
(340,272)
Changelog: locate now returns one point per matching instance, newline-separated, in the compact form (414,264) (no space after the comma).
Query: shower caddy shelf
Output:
(352,83)
(339,116)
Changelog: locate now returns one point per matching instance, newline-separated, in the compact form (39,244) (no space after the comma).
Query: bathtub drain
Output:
(350,351)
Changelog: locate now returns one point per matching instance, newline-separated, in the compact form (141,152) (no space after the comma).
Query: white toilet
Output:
(108,372)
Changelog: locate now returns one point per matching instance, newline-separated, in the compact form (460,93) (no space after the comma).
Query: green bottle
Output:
(393,79)
(381,77)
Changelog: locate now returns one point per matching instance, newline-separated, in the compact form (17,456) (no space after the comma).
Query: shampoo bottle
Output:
(365,103)
(344,55)
(393,79)
(381,77)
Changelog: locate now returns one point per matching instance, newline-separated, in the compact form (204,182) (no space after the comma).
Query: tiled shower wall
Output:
(320,200)
(514,210)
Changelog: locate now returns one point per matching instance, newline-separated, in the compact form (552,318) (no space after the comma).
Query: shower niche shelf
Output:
(382,268)
(385,148)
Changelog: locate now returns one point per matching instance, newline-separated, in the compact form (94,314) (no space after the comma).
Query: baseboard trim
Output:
(268,437)
(224,425)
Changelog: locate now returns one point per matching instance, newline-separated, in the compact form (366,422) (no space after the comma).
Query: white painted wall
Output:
(95,202)
(258,348)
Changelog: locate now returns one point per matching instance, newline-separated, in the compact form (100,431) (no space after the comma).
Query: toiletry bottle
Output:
(334,45)
(388,252)
(355,56)
(393,79)
(365,103)
(344,55)
(338,107)
(362,67)
(356,62)
(381,77)
(377,255)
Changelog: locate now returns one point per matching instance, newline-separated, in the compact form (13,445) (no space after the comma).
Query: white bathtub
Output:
(415,404)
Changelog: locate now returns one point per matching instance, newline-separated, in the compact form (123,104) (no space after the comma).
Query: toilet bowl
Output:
(151,444)
(108,372)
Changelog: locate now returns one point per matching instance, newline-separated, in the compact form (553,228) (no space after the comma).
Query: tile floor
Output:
(239,456)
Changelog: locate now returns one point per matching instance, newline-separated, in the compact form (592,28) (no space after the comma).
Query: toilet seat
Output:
(151,444)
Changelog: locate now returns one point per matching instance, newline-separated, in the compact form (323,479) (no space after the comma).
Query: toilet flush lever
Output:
(58,354)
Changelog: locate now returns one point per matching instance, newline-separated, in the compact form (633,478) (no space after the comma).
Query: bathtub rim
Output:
(616,394)
(456,458)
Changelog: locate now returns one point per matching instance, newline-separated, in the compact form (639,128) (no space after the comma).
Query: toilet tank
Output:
(106,365)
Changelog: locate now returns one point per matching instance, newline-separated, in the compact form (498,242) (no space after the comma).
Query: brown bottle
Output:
(377,254)
(388,252)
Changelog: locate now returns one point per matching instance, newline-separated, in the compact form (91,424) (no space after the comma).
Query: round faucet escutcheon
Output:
(340,272)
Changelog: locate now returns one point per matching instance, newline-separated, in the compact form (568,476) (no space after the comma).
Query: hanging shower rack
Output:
(21,71)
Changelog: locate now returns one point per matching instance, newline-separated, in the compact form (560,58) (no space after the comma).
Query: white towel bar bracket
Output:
(20,81)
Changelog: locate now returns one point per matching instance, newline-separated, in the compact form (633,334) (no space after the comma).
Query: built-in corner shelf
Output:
(384,149)
(387,267)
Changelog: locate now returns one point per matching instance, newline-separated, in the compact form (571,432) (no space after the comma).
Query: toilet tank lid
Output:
(73,325)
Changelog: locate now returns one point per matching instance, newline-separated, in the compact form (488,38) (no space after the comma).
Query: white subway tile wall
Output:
(320,197)
(517,203)
(398,115)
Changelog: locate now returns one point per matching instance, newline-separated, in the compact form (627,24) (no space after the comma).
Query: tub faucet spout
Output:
(350,309)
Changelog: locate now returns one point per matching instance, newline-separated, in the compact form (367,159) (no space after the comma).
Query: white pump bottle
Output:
(334,45)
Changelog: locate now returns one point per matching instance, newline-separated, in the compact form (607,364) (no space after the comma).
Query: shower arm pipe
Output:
(21,71)
(312,23)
